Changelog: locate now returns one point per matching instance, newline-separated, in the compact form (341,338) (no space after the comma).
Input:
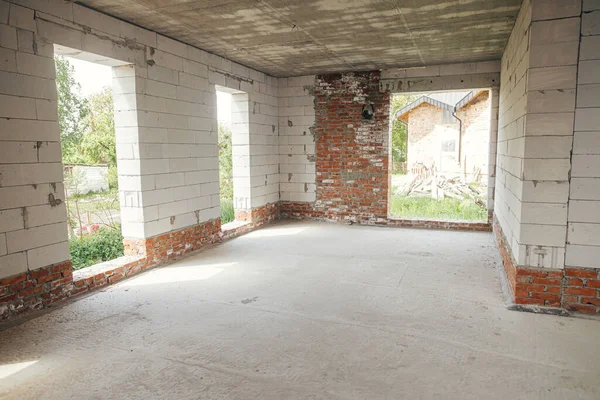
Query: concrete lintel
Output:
(437,83)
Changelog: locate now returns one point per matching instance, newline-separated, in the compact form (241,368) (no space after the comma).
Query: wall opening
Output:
(89,156)
(234,156)
(439,149)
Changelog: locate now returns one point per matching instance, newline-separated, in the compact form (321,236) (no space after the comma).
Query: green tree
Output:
(399,129)
(72,111)
(225,162)
(98,145)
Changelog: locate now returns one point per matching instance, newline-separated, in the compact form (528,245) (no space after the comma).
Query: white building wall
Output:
(583,240)
(165,118)
(296,141)
(537,104)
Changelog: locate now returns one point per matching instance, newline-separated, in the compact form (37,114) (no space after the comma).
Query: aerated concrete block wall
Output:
(583,237)
(166,129)
(296,139)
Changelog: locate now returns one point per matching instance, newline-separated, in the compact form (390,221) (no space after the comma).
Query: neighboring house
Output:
(434,122)
(86,178)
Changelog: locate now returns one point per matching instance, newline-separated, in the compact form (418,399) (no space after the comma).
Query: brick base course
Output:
(42,287)
(574,289)
(308,211)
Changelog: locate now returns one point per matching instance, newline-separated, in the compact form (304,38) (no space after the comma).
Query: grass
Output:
(426,207)
(227,211)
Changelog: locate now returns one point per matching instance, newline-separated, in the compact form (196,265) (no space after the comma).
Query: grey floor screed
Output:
(308,311)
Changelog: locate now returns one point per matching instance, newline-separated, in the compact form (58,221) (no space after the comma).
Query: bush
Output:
(227,211)
(104,245)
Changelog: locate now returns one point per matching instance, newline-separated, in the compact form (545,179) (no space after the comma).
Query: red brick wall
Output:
(574,289)
(476,134)
(425,134)
(352,154)
(352,157)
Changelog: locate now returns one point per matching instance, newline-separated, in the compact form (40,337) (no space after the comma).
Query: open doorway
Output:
(88,145)
(440,155)
(234,156)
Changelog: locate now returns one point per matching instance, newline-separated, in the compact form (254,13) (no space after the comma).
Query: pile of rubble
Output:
(439,187)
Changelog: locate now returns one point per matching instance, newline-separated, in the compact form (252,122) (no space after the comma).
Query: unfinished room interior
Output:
(255,254)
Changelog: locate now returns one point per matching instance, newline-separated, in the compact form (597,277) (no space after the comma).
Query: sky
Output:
(93,77)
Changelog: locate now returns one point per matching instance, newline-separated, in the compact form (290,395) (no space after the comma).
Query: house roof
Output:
(451,101)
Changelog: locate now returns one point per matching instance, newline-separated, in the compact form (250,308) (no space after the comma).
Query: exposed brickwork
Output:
(581,290)
(35,289)
(574,289)
(39,288)
(352,157)
(352,152)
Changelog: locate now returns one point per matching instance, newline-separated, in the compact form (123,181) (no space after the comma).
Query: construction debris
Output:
(439,187)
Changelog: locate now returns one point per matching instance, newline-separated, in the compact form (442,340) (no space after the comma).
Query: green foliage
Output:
(113,177)
(72,111)
(426,207)
(225,162)
(227,211)
(399,130)
(99,141)
(104,245)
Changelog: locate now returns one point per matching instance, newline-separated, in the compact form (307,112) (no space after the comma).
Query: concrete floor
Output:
(307,311)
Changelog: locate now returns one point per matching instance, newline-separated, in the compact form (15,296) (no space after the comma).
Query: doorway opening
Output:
(89,156)
(440,155)
(234,156)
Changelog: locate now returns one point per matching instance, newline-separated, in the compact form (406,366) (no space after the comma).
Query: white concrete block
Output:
(554,9)
(8,60)
(586,143)
(543,235)
(587,119)
(21,17)
(4,7)
(30,174)
(560,124)
(544,213)
(584,211)
(163,74)
(548,147)
(585,188)
(137,34)
(590,23)
(165,59)
(590,5)
(546,169)
(17,107)
(194,68)
(160,89)
(551,101)
(545,192)
(46,110)
(555,31)
(586,166)
(564,77)
(44,214)
(13,264)
(11,220)
(582,256)
(588,96)
(590,48)
(43,256)
(53,33)
(589,72)
(35,237)
(584,234)
(8,37)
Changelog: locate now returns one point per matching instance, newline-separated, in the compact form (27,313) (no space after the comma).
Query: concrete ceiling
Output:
(300,37)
